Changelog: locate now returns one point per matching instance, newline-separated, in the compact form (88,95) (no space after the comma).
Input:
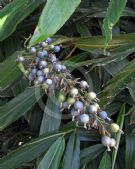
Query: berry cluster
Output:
(74,95)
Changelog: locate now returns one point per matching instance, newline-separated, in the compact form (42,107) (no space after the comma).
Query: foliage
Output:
(98,44)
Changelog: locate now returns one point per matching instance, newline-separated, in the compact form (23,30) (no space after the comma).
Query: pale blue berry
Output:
(52,58)
(84,118)
(42,64)
(33,71)
(56,49)
(92,109)
(57,67)
(49,82)
(39,73)
(105,140)
(20,58)
(30,77)
(78,105)
(40,79)
(65,105)
(49,40)
(32,50)
(103,115)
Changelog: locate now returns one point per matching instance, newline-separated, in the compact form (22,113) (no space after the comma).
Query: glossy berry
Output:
(32,50)
(49,40)
(42,64)
(84,118)
(45,53)
(49,82)
(112,142)
(91,95)
(78,105)
(114,127)
(56,49)
(92,109)
(40,79)
(74,91)
(57,67)
(65,105)
(39,73)
(41,54)
(103,115)
(74,113)
(20,58)
(70,100)
(43,44)
(61,97)
(105,140)
(84,84)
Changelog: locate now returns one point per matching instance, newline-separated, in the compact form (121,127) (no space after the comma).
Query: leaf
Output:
(53,156)
(71,158)
(113,14)
(9,72)
(33,149)
(14,13)
(52,116)
(120,121)
(49,24)
(118,83)
(105,162)
(15,108)
(90,153)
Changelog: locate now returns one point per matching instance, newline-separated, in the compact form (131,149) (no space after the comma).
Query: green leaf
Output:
(49,24)
(33,149)
(53,156)
(118,83)
(105,162)
(113,14)
(90,153)
(52,116)
(120,121)
(71,157)
(14,13)
(15,108)
(9,71)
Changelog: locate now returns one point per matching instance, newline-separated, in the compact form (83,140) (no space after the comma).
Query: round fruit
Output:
(114,127)
(70,100)
(57,67)
(30,77)
(92,109)
(84,84)
(46,70)
(33,71)
(20,58)
(39,73)
(45,53)
(40,54)
(74,91)
(103,115)
(65,105)
(78,105)
(52,58)
(63,67)
(37,60)
(84,118)
(32,50)
(56,49)
(43,63)
(92,95)
(40,79)
(43,44)
(49,40)
(112,142)
(105,140)
(61,97)
(49,81)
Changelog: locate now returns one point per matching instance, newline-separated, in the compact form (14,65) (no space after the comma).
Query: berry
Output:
(103,115)
(30,77)
(114,127)
(49,40)
(105,140)
(40,54)
(74,113)
(63,67)
(57,67)
(96,105)
(42,64)
(32,50)
(92,109)
(84,118)
(112,142)
(70,100)
(43,44)
(56,49)
(45,53)
(45,70)
(39,73)
(61,97)
(52,58)
(49,82)
(65,105)
(37,60)
(52,46)
(20,58)
(78,105)
(40,79)
(74,91)
(84,84)
(91,95)
(33,71)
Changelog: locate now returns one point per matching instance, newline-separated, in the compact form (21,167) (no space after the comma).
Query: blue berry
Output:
(105,140)
(49,40)
(49,82)
(57,67)
(33,71)
(92,109)
(43,44)
(32,50)
(52,58)
(45,53)
(63,67)
(40,54)
(103,115)
(65,105)
(84,118)
(37,60)
(39,73)
(78,105)
(42,64)
(40,79)
(30,77)
(56,49)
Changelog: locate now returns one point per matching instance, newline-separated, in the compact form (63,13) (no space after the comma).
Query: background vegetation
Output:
(97,37)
